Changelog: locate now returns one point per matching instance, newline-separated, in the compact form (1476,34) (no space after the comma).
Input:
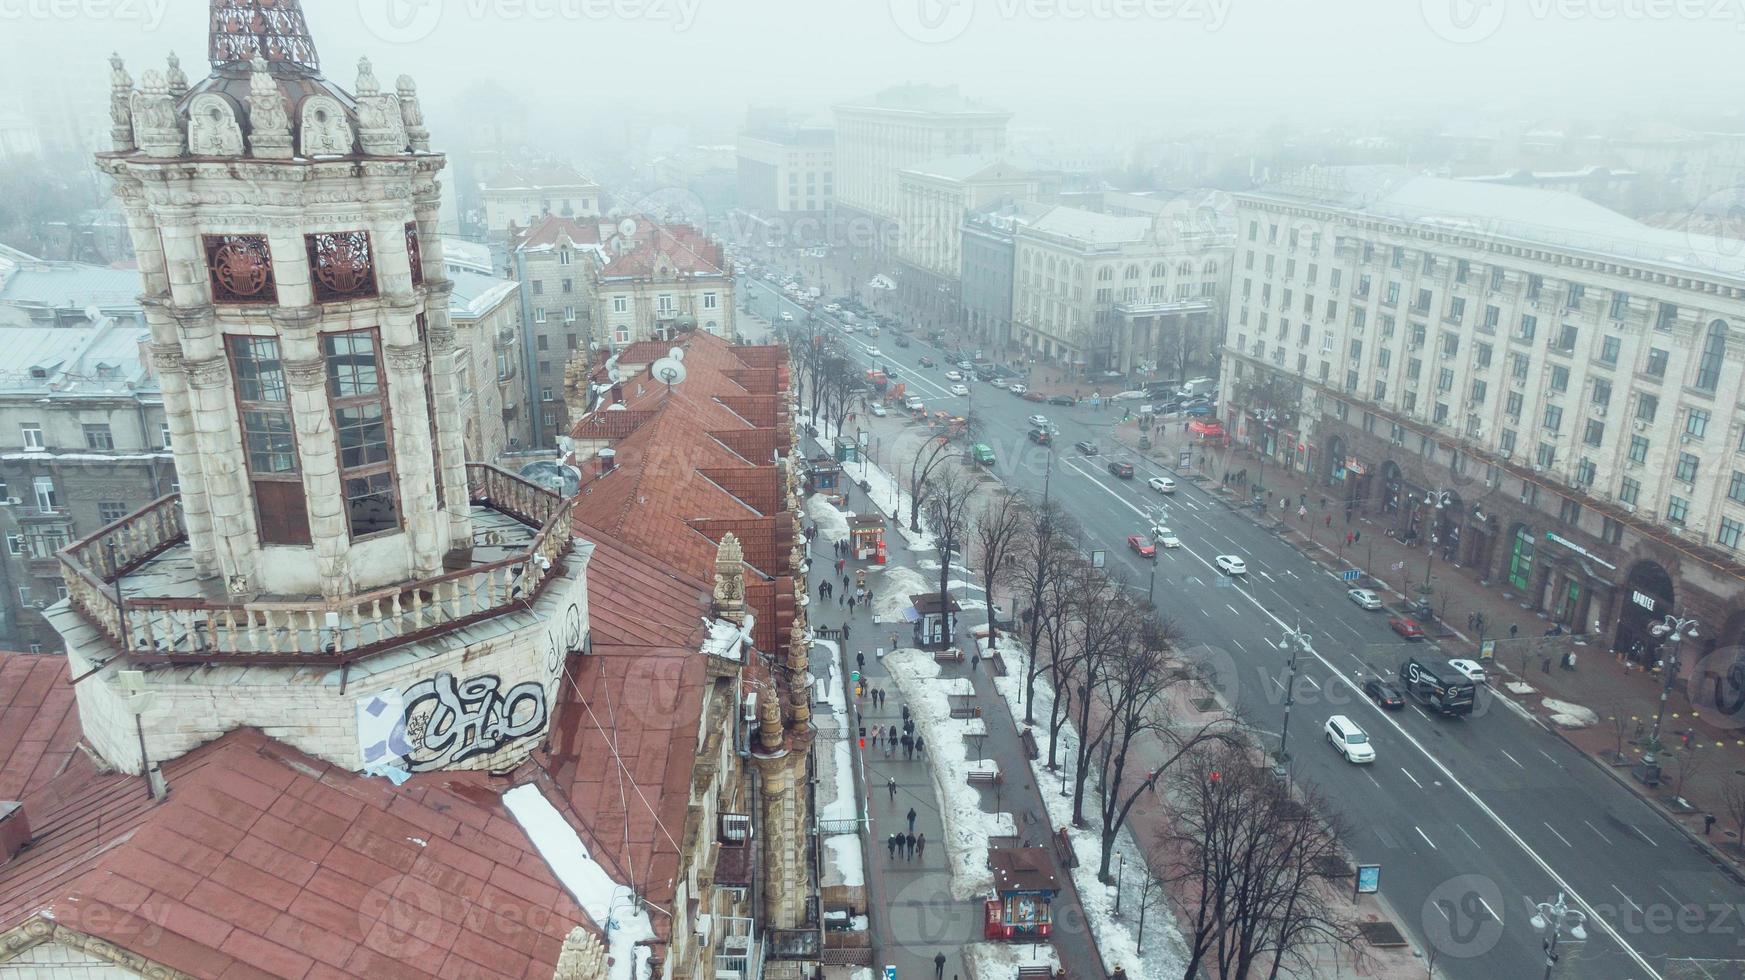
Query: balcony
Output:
(735,851)
(135,580)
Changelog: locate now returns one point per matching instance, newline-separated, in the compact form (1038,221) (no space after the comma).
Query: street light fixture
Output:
(1295,641)
(1551,917)
(1670,630)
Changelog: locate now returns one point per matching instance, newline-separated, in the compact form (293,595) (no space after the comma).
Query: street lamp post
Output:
(1670,630)
(1550,918)
(1295,641)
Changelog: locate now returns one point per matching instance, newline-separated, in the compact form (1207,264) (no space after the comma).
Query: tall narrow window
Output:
(264,407)
(359,398)
(430,402)
(1714,349)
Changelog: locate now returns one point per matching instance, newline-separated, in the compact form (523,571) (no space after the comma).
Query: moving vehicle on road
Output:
(954,376)
(1162,484)
(1349,740)
(1472,670)
(1017,388)
(982,453)
(1167,540)
(1035,396)
(872,350)
(878,410)
(913,403)
(1407,627)
(1364,598)
(1384,694)
(1063,400)
(960,389)
(1435,683)
(1231,565)
(787,317)
(902,340)
(927,362)
(1041,437)
(1040,421)
(1142,545)
(1087,446)
(1121,469)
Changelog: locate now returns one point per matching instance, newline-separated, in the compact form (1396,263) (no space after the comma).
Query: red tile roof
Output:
(39,721)
(551,228)
(264,861)
(666,250)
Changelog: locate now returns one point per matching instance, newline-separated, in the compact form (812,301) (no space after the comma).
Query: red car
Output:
(1142,544)
(1407,627)
(1035,396)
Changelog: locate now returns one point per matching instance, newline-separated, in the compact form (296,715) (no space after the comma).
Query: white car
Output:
(953,376)
(1162,484)
(1231,565)
(1017,388)
(1169,541)
(848,328)
(872,351)
(832,308)
(960,389)
(787,317)
(1472,670)
(1349,740)
(879,410)
(1038,421)
(1364,598)
(912,403)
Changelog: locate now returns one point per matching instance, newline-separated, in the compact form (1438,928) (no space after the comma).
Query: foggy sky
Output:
(1126,68)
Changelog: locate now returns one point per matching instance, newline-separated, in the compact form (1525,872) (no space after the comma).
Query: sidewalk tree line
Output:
(927,463)
(949,516)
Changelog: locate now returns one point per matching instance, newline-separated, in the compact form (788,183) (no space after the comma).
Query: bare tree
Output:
(1041,557)
(1733,807)
(1690,763)
(948,511)
(1108,625)
(1151,896)
(1619,720)
(1063,657)
(1255,865)
(934,453)
(996,537)
(1136,691)
(839,384)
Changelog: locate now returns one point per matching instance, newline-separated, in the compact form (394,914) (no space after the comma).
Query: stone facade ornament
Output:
(770,721)
(120,105)
(178,81)
(212,127)
(155,126)
(412,115)
(381,127)
(211,373)
(583,957)
(730,580)
(269,123)
(325,130)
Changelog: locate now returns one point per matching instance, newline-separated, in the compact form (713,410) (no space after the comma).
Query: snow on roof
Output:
(475,295)
(471,255)
(727,639)
(95,360)
(72,286)
(1091,227)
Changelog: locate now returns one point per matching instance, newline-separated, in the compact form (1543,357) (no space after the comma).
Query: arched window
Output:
(1211,268)
(1714,349)
(1105,274)
(1159,271)
(1185,269)
(1131,273)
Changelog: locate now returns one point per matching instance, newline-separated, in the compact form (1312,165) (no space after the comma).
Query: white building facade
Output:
(1531,384)
(879,137)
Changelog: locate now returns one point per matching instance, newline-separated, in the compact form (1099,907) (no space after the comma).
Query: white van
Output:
(1196,385)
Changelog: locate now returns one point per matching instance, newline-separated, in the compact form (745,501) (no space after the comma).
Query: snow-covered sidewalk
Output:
(967,825)
(843,864)
(886,494)
(1165,955)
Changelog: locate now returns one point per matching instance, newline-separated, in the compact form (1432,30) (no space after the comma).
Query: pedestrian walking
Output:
(1513,629)
(891,845)
(939,966)
(851,605)
(891,737)
(891,784)
(860,660)
(1356,536)
(920,844)
(911,819)
(845,582)
(845,632)
(840,562)
(908,747)
(908,728)
(921,746)
(975,661)
(1329,520)
(908,846)
(890,744)
(905,713)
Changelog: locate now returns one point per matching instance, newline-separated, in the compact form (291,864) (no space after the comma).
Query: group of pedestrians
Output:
(909,845)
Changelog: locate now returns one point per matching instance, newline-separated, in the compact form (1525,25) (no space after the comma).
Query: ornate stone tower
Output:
(293,285)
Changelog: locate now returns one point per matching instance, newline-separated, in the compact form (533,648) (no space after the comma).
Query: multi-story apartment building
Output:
(787,175)
(557,261)
(1534,386)
(486,314)
(660,279)
(932,199)
(989,245)
(878,137)
(521,196)
(83,442)
(1097,294)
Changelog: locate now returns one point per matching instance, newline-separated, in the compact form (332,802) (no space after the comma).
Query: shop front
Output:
(1024,888)
(1579,585)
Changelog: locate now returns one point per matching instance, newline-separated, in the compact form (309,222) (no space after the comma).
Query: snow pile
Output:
(592,888)
(844,864)
(892,591)
(1165,951)
(886,494)
(967,825)
(1566,714)
(998,961)
(832,523)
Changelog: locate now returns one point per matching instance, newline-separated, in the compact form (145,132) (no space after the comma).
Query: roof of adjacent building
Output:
(969,166)
(475,295)
(538,175)
(1555,220)
(102,360)
(656,248)
(39,722)
(552,229)
(72,286)
(264,861)
(1091,227)
(474,255)
(924,99)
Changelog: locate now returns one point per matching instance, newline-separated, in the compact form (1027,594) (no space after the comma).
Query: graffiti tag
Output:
(447,724)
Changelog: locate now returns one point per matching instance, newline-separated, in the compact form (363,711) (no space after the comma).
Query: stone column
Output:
(317,450)
(784,840)
(218,439)
(166,359)
(451,451)
(414,462)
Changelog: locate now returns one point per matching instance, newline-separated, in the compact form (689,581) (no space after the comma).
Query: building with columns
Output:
(933,198)
(1527,383)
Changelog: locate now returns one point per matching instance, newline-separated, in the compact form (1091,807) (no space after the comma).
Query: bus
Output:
(1436,685)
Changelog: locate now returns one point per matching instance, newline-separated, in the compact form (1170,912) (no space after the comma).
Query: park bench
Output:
(951,656)
(1028,740)
(964,706)
(1035,973)
(1063,849)
(984,777)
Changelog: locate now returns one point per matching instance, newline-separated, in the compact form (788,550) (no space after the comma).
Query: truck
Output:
(1434,683)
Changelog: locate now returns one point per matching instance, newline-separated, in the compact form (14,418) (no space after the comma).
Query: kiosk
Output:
(1024,889)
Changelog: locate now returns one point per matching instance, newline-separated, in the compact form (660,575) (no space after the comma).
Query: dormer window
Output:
(39,374)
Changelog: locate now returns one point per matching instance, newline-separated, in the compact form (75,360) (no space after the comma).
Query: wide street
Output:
(1472,820)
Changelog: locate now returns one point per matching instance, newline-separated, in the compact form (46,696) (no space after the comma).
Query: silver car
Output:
(1364,598)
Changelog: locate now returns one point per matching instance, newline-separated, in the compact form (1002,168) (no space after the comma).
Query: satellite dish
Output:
(616,407)
(676,353)
(556,477)
(668,371)
(627,227)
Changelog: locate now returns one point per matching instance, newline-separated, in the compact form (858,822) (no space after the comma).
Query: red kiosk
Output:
(866,535)
(1024,887)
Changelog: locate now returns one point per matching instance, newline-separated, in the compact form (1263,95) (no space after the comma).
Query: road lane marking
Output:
(1270,643)
(1263,575)
(1627,898)
(1311,682)
(1487,907)
(1560,837)
(1367,776)
(1645,837)
(1676,900)
(1550,756)
(1413,778)
(1421,833)
(1511,758)
(1597,833)
(1468,836)
(1232,609)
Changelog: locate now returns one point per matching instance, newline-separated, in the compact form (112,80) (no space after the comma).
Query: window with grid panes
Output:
(359,398)
(269,445)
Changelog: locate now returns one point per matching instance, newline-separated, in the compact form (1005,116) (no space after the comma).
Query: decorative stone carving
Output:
(269,122)
(120,105)
(770,721)
(240,266)
(211,373)
(166,358)
(412,115)
(309,375)
(212,127)
(325,130)
(155,126)
(341,265)
(177,81)
(583,957)
(730,580)
(381,128)
(405,359)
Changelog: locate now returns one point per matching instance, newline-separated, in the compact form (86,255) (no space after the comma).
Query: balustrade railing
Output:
(179,627)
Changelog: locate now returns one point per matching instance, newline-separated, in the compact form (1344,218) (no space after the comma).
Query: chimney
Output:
(14,830)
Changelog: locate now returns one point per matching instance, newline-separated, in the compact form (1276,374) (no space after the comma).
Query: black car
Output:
(902,340)
(1063,400)
(1087,447)
(1384,694)
(1041,437)
(1121,468)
